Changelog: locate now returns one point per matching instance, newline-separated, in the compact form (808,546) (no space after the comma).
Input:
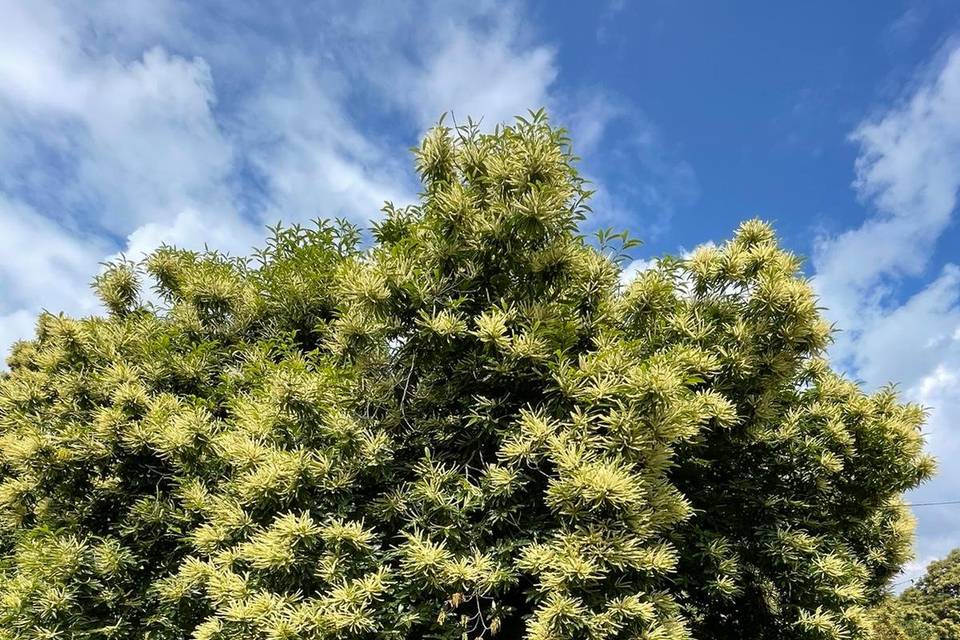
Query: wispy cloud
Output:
(492,70)
(640,180)
(904,29)
(313,158)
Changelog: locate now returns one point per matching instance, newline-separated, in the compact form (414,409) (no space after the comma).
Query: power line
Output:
(930,504)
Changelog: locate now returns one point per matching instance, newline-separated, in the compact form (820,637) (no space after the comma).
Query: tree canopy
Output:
(928,610)
(465,427)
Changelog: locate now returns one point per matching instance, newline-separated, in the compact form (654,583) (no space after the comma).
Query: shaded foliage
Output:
(928,610)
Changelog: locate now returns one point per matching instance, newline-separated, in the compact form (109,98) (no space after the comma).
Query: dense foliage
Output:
(470,428)
(928,610)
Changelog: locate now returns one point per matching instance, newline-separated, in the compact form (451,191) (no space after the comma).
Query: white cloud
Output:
(316,162)
(42,266)
(484,73)
(153,146)
(191,229)
(138,139)
(904,30)
(908,170)
(475,58)
(14,326)
(938,525)
(590,115)
(634,268)
(909,155)
(908,341)
(39,259)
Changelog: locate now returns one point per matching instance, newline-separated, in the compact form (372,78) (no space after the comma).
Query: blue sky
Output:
(124,125)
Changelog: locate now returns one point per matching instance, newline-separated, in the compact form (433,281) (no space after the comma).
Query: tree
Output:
(469,428)
(935,598)
(930,609)
(895,619)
